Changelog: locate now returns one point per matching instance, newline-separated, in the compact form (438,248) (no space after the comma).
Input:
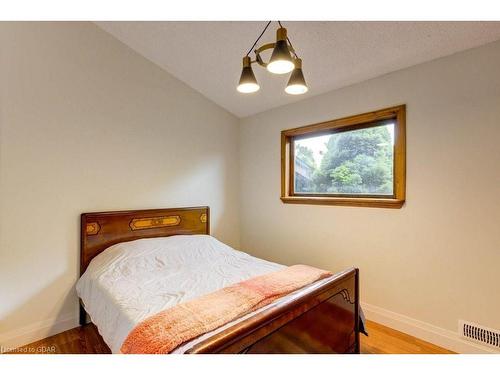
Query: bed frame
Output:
(323,319)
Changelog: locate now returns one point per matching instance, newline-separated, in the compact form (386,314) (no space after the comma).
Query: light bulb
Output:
(280,66)
(247,88)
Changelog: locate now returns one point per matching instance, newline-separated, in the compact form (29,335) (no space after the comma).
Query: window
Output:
(355,161)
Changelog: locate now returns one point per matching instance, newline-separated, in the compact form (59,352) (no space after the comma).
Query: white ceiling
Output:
(207,55)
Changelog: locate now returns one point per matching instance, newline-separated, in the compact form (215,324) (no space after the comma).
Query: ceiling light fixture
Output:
(283,60)
(297,83)
(248,82)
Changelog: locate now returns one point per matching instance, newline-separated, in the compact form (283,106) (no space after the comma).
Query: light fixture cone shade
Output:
(281,61)
(296,83)
(248,82)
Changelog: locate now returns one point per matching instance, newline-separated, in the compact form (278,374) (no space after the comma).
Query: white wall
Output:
(435,260)
(86,124)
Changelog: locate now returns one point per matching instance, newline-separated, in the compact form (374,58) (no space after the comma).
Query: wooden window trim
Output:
(360,121)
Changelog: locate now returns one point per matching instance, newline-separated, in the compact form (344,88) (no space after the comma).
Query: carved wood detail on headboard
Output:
(100,230)
(155,222)
(92,228)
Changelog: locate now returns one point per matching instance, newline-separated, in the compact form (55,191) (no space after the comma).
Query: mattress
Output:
(131,281)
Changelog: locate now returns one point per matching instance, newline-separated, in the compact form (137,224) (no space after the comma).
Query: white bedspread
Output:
(131,281)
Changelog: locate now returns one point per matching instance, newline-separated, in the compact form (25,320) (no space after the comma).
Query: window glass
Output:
(352,162)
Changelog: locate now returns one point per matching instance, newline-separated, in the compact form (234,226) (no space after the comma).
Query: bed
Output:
(155,259)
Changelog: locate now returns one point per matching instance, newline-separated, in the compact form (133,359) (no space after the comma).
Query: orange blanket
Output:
(163,332)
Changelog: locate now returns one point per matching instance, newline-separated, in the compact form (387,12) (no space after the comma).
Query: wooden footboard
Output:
(325,319)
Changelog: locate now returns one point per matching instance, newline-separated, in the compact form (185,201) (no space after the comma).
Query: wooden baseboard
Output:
(36,331)
(436,335)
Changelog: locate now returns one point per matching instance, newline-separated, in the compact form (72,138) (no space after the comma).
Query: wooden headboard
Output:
(99,230)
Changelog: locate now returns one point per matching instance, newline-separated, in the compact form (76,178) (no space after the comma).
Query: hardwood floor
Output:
(86,340)
(79,340)
(385,340)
